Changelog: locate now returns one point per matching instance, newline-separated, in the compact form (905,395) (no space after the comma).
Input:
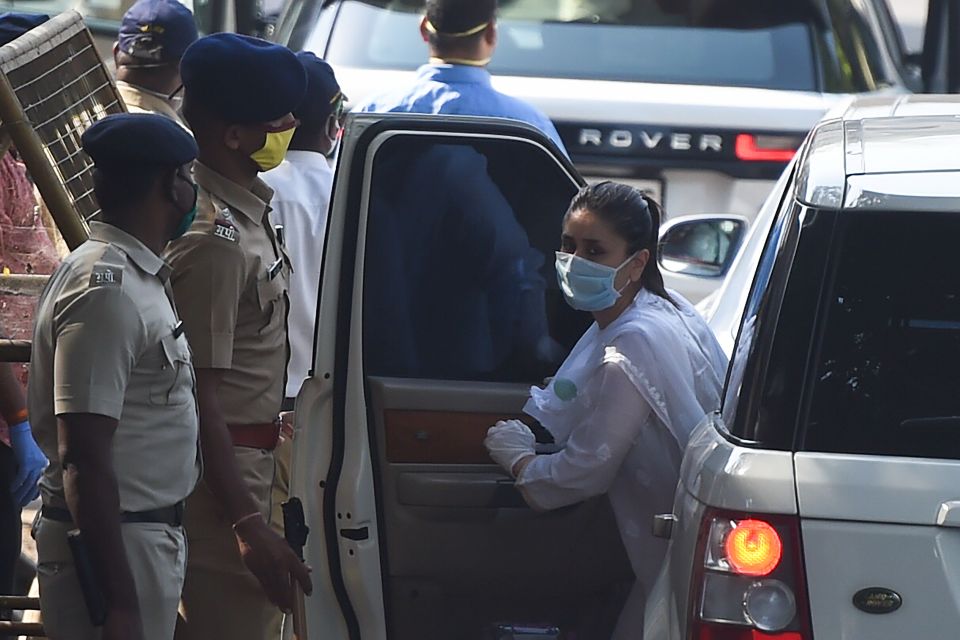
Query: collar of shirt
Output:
(251,203)
(140,91)
(138,98)
(141,256)
(307,158)
(454,74)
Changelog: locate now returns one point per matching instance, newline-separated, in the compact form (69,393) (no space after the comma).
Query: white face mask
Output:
(588,286)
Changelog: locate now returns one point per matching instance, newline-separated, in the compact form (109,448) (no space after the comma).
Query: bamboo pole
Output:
(30,147)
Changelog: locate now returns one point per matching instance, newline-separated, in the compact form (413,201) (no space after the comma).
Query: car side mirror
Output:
(702,246)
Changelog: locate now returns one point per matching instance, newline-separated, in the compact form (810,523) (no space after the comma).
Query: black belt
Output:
(172,515)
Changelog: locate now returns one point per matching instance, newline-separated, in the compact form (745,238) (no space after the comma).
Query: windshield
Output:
(768,44)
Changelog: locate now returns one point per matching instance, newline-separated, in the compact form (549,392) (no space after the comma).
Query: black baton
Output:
(295,528)
(87,575)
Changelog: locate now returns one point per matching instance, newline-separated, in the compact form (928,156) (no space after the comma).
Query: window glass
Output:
(459,280)
(887,376)
(744,348)
(892,34)
(749,43)
(851,53)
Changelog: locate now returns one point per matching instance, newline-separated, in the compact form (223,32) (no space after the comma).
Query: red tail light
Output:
(748,579)
(758,148)
(753,548)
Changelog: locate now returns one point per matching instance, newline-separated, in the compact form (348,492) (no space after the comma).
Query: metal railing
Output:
(12,628)
(53,85)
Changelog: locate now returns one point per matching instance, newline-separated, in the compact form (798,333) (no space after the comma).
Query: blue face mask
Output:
(586,285)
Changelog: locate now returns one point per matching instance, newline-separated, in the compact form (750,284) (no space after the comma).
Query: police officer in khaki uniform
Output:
(153,36)
(230,281)
(111,396)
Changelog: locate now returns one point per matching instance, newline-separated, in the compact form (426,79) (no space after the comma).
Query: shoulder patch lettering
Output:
(106,276)
(224,227)
(225,231)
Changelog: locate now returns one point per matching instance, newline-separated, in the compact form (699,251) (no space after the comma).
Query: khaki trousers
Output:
(157,554)
(221,598)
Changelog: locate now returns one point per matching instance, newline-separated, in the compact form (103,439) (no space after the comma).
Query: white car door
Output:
(439,308)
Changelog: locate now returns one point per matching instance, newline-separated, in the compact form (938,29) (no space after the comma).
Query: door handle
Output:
(949,514)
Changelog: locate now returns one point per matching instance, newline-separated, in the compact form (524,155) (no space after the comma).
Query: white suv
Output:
(702,103)
(822,500)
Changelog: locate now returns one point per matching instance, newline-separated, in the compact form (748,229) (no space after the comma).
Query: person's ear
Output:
(424,30)
(234,138)
(490,34)
(638,265)
(116,52)
(333,127)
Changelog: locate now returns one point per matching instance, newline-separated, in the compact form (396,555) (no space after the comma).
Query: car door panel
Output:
(445,505)
(423,342)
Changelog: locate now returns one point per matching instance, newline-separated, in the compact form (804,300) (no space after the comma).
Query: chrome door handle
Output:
(663,525)
(949,514)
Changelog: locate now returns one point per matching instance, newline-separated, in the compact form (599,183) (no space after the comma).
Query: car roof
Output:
(885,152)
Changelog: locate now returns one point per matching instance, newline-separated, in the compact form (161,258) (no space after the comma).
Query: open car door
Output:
(439,308)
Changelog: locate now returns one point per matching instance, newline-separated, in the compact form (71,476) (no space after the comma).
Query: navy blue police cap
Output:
(131,140)
(323,90)
(13,25)
(157,31)
(242,79)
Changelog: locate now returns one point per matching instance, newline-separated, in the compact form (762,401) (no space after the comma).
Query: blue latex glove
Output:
(30,464)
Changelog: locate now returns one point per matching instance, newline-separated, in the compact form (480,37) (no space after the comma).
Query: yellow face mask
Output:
(274,149)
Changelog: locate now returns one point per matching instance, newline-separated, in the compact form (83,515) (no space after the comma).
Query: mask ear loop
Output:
(622,265)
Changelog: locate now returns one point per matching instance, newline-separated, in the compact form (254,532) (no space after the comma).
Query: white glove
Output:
(508,442)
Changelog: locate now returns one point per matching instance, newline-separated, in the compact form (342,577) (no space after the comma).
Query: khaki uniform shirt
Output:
(107,342)
(140,100)
(230,280)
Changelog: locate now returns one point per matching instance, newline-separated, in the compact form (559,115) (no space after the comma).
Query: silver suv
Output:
(821,501)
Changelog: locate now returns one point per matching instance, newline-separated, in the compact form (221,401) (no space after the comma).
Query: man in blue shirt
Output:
(462,36)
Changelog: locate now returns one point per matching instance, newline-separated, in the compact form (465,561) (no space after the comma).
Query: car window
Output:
(886,375)
(850,50)
(748,43)
(459,280)
(891,32)
(745,346)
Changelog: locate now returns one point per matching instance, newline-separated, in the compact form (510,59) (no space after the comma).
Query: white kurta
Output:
(623,406)
(301,185)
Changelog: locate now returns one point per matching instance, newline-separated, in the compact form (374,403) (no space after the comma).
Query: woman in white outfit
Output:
(625,401)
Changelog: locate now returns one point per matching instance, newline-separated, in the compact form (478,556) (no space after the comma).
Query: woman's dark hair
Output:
(633,216)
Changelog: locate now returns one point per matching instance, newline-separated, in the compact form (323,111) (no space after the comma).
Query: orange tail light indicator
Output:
(753,548)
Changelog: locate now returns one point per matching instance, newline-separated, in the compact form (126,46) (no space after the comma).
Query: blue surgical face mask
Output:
(586,285)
